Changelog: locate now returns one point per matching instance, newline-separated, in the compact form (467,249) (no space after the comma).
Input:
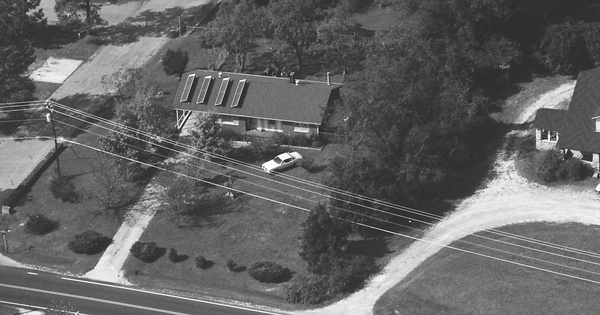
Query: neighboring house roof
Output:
(262,97)
(577,129)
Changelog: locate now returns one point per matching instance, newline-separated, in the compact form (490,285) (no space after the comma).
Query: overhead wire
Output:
(357,223)
(473,243)
(502,233)
(388,222)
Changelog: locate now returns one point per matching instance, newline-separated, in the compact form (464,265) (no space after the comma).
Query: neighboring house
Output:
(576,130)
(252,102)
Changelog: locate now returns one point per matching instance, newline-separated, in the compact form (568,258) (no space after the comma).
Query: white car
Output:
(282,161)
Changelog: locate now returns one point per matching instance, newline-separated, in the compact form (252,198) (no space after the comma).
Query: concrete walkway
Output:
(110,264)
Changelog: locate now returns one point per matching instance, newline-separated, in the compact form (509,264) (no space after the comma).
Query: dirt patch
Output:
(55,70)
(108,60)
(549,92)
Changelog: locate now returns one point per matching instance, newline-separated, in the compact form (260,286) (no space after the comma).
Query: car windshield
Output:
(277,160)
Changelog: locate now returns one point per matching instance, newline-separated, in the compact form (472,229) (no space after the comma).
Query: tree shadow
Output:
(51,36)
(208,212)
(240,269)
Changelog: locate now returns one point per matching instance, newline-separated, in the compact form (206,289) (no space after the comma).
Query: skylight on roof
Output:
(187,88)
(204,89)
(238,93)
(222,91)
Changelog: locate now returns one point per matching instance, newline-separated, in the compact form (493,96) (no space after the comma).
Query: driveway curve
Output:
(506,199)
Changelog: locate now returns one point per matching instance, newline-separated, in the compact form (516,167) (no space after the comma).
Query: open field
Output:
(452,282)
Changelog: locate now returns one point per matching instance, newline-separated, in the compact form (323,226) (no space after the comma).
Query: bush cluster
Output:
(269,272)
(146,251)
(62,188)
(89,242)
(346,274)
(202,263)
(550,167)
(307,163)
(300,140)
(39,224)
(308,290)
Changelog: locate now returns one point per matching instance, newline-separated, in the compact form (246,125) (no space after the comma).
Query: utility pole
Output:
(51,121)
(4,237)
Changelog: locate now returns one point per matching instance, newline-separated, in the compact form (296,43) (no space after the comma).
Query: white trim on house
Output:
(264,118)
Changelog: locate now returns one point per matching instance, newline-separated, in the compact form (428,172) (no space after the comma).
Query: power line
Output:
(506,234)
(139,131)
(378,219)
(358,223)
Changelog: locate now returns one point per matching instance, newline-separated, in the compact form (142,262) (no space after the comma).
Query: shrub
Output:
(350,272)
(89,242)
(202,263)
(308,290)
(575,169)
(300,140)
(546,165)
(269,272)
(231,265)
(62,188)
(175,61)
(307,163)
(550,167)
(265,148)
(230,135)
(39,224)
(173,256)
(146,251)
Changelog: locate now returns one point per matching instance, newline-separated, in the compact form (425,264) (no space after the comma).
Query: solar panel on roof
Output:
(238,93)
(187,88)
(222,90)
(204,89)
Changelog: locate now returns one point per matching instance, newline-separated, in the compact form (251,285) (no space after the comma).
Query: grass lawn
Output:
(51,250)
(244,229)
(452,282)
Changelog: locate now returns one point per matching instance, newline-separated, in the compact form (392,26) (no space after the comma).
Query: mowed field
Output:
(454,282)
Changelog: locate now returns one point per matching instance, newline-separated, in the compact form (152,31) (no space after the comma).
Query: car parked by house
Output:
(281,162)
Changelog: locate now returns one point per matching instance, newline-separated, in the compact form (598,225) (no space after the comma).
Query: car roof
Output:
(284,156)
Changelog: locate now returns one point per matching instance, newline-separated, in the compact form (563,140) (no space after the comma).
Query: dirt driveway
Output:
(506,199)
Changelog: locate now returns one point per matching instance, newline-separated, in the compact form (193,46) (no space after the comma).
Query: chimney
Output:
(328,78)
(292,77)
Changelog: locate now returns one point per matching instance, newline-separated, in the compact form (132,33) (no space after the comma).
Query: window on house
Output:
(230,120)
(298,127)
(549,135)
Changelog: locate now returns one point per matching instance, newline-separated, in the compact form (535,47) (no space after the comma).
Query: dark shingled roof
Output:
(263,97)
(577,129)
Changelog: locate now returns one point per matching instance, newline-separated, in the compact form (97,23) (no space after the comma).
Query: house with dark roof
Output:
(575,130)
(248,102)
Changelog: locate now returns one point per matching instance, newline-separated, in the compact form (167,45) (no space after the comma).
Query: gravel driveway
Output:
(505,199)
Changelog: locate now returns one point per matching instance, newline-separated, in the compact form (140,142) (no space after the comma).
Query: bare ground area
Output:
(507,198)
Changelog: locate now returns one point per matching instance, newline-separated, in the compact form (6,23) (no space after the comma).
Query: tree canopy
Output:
(236,28)
(68,12)
(18,21)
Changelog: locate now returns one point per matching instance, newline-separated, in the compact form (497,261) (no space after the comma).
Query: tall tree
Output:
(68,12)
(236,28)
(342,37)
(324,240)
(18,22)
(295,23)
(205,135)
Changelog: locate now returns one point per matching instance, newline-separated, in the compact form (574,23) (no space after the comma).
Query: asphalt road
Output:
(36,288)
